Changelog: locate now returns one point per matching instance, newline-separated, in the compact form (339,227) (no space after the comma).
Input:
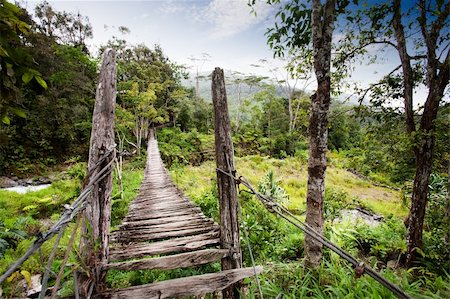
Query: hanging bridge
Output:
(165,230)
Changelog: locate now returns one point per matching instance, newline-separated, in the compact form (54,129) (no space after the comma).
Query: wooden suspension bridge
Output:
(165,230)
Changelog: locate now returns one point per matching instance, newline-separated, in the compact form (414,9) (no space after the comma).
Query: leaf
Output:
(5,120)
(27,277)
(18,112)
(12,277)
(41,81)
(26,77)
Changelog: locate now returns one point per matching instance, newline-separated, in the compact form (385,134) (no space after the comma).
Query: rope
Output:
(274,207)
(66,257)
(232,170)
(247,240)
(67,216)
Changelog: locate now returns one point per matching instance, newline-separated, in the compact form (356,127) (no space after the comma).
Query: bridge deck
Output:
(165,230)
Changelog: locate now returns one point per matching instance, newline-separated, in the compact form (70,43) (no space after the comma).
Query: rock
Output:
(360,215)
(42,181)
(29,181)
(35,287)
(22,182)
(6,182)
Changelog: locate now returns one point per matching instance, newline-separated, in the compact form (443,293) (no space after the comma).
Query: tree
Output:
(66,28)
(420,36)
(297,69)
(198,65)
(322,27)
(17,67)
(298,29)
(58,117)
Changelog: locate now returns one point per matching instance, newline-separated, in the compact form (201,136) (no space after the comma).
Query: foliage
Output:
(57,124)
(10,235)
(385,241)
(179,147)
(270,187)
(17,65)
(436,225)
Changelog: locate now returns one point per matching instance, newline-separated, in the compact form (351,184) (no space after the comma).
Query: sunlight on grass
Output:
(292,175)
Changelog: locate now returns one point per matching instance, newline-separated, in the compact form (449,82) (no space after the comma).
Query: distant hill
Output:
(246,90)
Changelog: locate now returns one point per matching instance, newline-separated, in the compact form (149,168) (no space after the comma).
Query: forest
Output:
(368,170)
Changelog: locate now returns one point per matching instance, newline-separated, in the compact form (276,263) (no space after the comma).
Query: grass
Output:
(292,174)
(276,244)
(23,216)
(279,247)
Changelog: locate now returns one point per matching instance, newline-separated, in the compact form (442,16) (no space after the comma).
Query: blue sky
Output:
(224,29)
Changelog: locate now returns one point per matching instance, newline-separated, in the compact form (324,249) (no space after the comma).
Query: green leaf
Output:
(18,112)
(41,81)
(27,276)
(6,120)
(26,77)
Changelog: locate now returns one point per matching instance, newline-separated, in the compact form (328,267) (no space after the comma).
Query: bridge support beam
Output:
(229,225)
(97,214)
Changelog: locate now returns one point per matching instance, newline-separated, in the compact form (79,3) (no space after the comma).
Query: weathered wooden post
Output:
(97,215)
(229,225)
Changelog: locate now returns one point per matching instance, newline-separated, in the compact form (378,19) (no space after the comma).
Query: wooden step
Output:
(159,221)
(148,216)
(187,286)
(181,260)
(150,235)
(183,244)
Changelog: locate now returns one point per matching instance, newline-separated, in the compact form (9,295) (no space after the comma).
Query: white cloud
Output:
(230,17)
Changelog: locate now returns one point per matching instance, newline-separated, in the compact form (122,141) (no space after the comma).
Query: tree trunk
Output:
(291,114)
(424,159)
(447,214)
(228,202)
(424,162)
(322,31)
(97,215)
(437,76)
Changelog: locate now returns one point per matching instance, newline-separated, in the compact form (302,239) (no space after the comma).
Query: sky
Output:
(226,30)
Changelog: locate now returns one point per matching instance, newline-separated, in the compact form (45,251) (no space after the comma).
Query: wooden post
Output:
(229,225)
(97,215)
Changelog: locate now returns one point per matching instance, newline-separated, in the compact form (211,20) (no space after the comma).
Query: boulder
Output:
(6,182)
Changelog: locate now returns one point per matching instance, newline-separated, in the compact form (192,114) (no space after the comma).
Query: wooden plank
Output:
(168,227)
(162,220)
(150,206)
(158,212)
(159,221)
(187,286)
(161,234)
(174,223)
(161,215)
(182,260)
(182,244)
